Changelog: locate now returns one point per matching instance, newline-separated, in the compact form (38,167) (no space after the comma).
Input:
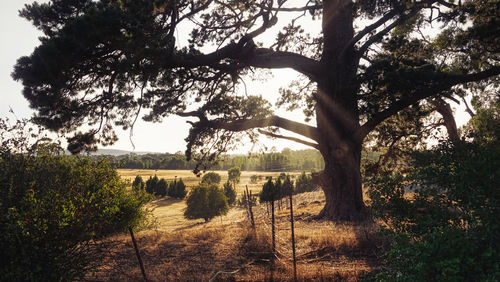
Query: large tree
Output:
(372,69)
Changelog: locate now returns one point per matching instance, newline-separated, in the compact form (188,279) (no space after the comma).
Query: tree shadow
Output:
(165,201)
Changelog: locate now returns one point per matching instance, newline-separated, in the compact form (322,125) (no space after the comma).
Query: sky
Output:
(19,38)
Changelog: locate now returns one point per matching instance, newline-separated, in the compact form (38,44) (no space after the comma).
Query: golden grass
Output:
(325,251)
(169,213)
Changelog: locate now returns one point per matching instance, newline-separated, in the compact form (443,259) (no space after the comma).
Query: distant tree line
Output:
(285,160)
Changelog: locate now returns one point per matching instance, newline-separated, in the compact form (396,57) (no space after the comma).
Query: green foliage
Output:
(304,183)
(448,229)
(206,201)
(287,186)
(177,189)
(230,193)
(53,211)
(269,191)
(234,174)
(254,178)
(211,177)
(161,188)
(138,183)
(151,184)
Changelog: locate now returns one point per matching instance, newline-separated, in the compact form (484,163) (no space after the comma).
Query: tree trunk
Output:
(444,109)
(337,117)
(341,183)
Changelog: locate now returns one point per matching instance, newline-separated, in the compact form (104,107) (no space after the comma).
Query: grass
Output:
(183,250)
(170,212)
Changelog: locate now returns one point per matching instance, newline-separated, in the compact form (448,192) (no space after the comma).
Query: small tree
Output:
(151,184)
(287,186)
(138,183)
(254,178)
(180,189)
(172,188)
(268,192)
(230,193)
(234,174)
(304,183)
(211,177)
(161,188)
(206,201)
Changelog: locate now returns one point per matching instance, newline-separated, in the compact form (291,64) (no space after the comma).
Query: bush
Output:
(269,191)
(206,201)
(449,229)
(177,189)
(161,188)
(211,177)
(138,183)
(254,178)
(233,174)
(53,211)
(151,184)
(304,183)
(230,193)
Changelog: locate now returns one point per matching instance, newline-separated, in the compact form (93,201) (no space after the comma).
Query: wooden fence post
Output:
(293,239)
(249,201)
(138,254)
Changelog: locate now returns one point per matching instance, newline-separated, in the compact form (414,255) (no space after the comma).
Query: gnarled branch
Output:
(445,82)
(274,135)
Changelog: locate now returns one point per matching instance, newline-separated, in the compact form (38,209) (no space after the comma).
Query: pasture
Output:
(169,213)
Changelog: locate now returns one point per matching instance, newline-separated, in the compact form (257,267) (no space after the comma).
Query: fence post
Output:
(293,239)
(249,201)
(274,240)
(138,254)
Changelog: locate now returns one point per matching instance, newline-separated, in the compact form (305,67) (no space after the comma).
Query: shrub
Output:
(211,177)
(206,201)
(161,188)
(53,211)
(179,189)
(448,230)
(304,183)
(151,184)
(269,192)
(138,183)
(234,174)
(254,178)
(230,193)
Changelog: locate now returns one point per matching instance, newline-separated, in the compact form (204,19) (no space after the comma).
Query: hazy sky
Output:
(19,38)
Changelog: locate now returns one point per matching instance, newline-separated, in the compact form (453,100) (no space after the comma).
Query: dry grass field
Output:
(228,249)
(169,212)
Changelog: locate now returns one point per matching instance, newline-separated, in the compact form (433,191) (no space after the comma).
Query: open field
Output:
(325,251)
(190,179)
(192,250)
(169,212)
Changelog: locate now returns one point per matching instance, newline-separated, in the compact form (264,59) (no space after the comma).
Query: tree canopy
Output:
(373,71)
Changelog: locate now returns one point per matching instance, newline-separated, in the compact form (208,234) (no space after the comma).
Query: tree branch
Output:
(247,124)
(445,82)
(314,145)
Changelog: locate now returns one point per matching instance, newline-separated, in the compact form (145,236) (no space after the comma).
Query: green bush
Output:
(177,189)
(211,177)
(138,183)
(206,201)
(304,183)
(234,174)
(230,193)
(161,188)
(448,229)
(54,209)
